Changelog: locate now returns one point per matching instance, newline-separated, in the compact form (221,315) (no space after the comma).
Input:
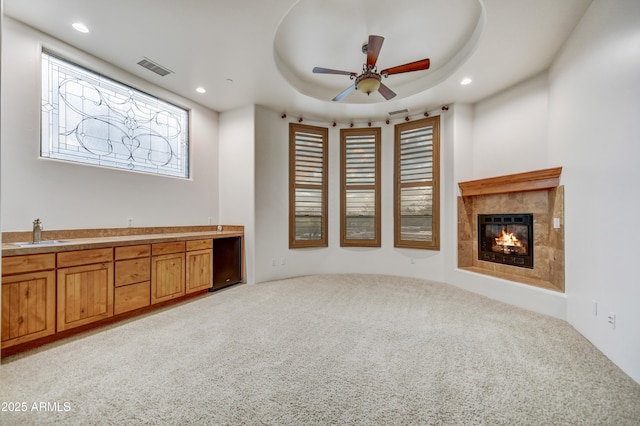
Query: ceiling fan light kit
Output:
(369,80)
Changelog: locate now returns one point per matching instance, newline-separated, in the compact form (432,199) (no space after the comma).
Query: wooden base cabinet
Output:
(28,307)
(85,292)
(48,293)
(199,259)
(167,271)
(133,278)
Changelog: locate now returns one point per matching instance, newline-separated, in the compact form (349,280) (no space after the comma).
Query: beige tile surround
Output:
(545,204)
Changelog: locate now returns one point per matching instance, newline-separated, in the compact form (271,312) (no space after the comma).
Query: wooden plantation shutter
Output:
(307,186)
(417,195)
(360,187)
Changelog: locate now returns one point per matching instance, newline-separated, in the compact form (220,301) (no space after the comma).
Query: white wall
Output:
(510,130)
(272,244)
(458,147)
(473,131)
(70,196)
(1,122)
(236,170)
(271,201)
(594,133)
(582,115)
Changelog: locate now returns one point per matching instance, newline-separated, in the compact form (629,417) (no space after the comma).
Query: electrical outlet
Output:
(556,222)
(611,319)
(273,262)
(412,261)
(210,221)
(283,261)
(130,222)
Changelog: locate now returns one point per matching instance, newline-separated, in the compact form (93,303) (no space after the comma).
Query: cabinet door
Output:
(167,277)
(199,270)
(85,294)
(28,307)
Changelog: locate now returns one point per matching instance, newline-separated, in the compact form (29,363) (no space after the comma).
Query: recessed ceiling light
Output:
(79,26)
(201,90)
(466,81)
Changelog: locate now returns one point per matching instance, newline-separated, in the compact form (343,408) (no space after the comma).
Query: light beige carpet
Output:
(327,349)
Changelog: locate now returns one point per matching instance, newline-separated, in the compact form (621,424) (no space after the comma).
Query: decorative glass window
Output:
(417,191)
(360,187)
(307,186)
(91,119)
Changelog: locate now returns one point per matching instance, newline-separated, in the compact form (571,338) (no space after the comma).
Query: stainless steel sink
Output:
(41,243)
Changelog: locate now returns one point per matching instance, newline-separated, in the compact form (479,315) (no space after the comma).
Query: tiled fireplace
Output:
(512,227)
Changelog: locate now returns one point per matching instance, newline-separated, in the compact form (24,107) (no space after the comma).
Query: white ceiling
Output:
(268,48)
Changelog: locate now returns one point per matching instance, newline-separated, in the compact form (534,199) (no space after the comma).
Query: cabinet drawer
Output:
(130,297)
(132,271)
(167,248)
(199,244)
(132,252)
(29,263)
(84,257)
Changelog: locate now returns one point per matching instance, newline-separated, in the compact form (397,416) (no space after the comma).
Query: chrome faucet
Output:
(37,231)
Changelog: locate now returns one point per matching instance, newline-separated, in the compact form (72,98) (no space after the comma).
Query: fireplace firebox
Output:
(506,239)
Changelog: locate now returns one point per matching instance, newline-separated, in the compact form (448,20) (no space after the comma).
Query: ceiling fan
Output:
(369,80)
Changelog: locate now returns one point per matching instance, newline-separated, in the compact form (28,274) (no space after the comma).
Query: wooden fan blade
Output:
(386,92)
(420,65)
(345,93)
(319,70)
(373,49)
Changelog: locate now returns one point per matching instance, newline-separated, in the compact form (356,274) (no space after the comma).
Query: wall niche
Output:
(535,192)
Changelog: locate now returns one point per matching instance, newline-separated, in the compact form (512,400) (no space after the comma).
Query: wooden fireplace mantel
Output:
(528,181)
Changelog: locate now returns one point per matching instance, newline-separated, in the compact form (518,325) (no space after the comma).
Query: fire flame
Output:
(508,242)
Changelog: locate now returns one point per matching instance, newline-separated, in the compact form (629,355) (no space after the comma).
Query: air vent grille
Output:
(152,66)
(400,111)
